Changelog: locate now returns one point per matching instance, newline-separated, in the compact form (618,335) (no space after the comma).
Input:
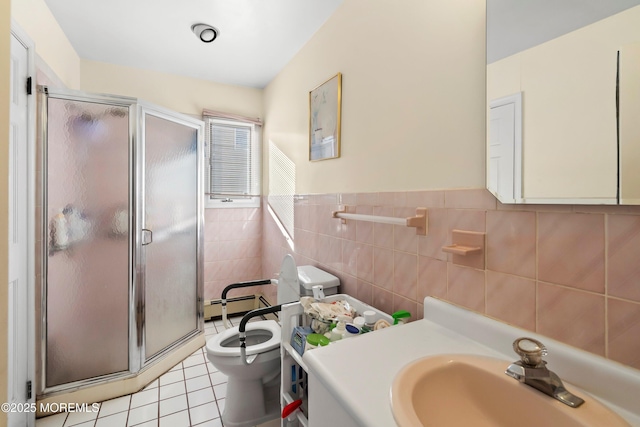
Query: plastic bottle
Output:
(401,317)
(369,319)
(339,331)
(351,330)
(59,231)
(299,338)
(316,340)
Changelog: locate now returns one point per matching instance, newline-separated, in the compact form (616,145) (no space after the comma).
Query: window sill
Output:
(238,203)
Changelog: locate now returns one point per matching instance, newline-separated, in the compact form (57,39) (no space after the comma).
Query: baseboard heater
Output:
(236,306)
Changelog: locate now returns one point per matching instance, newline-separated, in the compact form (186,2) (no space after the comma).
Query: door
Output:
(19,343)
(171,213)
(87,265)
(504,178)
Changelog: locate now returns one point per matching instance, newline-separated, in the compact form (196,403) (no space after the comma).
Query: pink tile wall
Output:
(232,250)
(568,272)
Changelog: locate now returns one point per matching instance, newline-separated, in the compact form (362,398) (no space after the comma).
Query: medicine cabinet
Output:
(563,98)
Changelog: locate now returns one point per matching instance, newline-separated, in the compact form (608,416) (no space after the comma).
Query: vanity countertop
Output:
(359,372)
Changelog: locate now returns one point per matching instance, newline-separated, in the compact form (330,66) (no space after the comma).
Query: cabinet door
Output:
(629,155)
(324,409)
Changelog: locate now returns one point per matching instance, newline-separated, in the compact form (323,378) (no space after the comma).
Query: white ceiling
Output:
(516,25)
(257,37)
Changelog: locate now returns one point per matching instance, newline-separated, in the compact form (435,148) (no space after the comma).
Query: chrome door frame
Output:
(197,124)
(137,109)
(45,92)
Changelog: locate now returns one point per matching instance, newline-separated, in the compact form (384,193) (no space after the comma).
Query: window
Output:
(233,163)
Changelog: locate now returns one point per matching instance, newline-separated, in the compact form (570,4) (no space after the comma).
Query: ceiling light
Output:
(205,32)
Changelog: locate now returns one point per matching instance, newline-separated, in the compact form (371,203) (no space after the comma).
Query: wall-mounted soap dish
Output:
(468,248)
(462,250)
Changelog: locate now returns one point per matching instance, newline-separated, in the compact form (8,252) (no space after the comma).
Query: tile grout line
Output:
(186,392)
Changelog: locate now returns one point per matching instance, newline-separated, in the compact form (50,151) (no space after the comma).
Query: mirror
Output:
(558,74)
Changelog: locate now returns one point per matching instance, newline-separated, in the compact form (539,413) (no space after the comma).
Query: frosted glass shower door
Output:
(86,233)
(170,238)
(121,227)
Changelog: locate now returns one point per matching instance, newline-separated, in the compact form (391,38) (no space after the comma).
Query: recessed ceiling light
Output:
(205,32)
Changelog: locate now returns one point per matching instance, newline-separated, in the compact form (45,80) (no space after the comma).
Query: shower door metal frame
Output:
(137,362)
(45,93)
(182,119)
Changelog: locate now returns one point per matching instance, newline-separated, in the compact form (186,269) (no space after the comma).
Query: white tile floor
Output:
(189,395)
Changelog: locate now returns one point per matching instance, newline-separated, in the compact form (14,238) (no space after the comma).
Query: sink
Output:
(458,390)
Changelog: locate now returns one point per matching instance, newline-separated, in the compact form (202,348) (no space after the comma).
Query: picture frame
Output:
(325,111)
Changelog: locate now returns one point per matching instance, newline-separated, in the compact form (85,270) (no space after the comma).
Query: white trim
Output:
(26,41)
(236,117)
(253,202)
(568,201)
(165,113)
(561,201)
(516,100)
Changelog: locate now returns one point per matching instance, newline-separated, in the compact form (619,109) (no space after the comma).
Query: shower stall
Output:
(122,221)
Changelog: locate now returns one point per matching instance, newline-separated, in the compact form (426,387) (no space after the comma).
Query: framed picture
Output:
(324,119)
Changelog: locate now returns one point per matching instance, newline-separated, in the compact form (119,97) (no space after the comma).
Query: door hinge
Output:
(29,386)
(29,85)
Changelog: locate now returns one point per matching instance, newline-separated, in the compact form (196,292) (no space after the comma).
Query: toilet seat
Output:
(215,348)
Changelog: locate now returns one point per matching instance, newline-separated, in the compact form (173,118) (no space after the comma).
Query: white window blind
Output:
(234,160)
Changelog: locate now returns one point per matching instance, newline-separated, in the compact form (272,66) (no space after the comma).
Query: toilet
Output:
(253,390)
(249,387)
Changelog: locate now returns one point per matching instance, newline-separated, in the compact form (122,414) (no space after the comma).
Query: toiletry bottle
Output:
(401,317)
(316,340)
(339,331)
(59,231)
(351,330)
(369,320)
(299,338)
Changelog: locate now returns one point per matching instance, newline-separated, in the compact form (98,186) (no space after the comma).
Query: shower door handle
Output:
(147,237)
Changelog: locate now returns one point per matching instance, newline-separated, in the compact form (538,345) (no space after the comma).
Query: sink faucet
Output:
(532,370)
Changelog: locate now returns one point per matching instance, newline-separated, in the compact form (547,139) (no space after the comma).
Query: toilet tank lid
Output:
(310,276)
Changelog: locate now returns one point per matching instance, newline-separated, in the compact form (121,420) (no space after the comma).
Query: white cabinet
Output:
(296,383)
(325,409)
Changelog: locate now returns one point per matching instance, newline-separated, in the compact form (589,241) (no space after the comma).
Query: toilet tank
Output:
(310,276)
(295,282)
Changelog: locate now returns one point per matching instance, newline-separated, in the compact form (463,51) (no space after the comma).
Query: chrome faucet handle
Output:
(532,371)
(530,351)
